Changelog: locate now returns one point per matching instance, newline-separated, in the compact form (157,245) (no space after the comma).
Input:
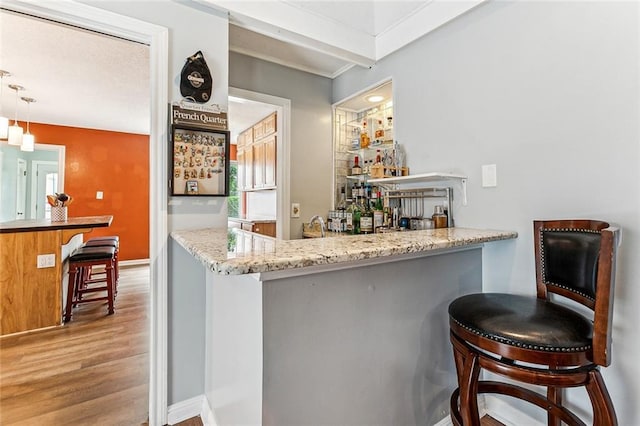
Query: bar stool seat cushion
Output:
(92,253)
(115,238)
(523,322)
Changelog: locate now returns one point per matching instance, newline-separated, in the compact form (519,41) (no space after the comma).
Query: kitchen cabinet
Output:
(257,150)
(270,161)
(259,226)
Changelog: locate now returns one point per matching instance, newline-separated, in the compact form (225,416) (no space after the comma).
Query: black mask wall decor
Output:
(195,79)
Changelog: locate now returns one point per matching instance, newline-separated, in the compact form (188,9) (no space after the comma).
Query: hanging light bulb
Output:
(4,121)
(28,140)
(15,131)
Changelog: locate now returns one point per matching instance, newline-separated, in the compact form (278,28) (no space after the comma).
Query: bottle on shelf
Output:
(388,131)
(378,212)
(354,211)
(342,201)
(439,218)
(356,169)
(378,157)
(379,132)
(365,140)
(366,219)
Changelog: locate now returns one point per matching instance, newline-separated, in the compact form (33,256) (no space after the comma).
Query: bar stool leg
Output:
(71,289)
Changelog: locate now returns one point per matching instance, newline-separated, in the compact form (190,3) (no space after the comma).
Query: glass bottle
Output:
(354,211)
(366,219)
(379,131)
(378,213)
(356,169)
(439,218)
(365,140)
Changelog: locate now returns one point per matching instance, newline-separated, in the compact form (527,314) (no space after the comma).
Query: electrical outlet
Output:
(295,209)
(99,195)
(46,260)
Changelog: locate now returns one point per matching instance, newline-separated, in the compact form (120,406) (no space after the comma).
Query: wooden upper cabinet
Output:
(258,131)
(241,170)
(258,165)
(269,125)
(270,161)
(257,155)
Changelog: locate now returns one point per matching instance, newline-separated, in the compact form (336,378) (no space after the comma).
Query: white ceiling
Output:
(84,79)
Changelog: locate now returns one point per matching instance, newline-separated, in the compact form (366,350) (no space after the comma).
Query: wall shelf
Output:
(423,177)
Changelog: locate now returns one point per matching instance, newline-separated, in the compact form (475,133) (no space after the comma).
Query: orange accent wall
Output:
(116,164)
(233,152)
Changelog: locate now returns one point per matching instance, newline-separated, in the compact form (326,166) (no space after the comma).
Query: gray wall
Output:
(366,345)
(311,142)
(549,92)
(191,28)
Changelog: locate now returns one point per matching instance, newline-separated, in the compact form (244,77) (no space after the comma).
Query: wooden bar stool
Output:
(537,340)
(79,261)
(111,240)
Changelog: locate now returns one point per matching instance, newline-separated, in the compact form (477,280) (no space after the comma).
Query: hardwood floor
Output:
(92,371)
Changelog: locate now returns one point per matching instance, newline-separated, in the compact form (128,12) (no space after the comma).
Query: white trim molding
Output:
(184,410)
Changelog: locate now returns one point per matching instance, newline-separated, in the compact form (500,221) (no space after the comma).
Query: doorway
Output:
(21,190)
(282,106)
(157,38)
(45,180)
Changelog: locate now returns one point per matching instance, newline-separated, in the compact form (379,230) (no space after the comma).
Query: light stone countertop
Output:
(235,252)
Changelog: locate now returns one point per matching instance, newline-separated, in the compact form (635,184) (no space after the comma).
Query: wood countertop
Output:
(37,225)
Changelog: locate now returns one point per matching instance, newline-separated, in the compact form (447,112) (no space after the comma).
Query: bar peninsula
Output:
(349,330)
(31,296)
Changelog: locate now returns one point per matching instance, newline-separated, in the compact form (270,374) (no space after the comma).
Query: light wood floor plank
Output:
(92,371)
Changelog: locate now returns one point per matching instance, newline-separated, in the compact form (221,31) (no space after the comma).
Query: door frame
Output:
(61,149)
(283,154)
(33,201)
(157,38)
(20,182)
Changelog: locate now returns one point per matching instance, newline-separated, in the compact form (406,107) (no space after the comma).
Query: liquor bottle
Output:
(342,202)
(378,157)
(439,218)
(355,212)
(366,220)
(364,136)
(378,213)
(379,131)
(388,132)
(356,169)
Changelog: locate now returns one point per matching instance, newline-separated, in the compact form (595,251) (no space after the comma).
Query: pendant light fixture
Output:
(4,121)
(28,140)
(15,131)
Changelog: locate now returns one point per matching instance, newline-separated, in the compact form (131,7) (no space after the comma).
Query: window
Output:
(233,199)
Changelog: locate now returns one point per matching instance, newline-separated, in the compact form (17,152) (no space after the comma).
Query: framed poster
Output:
(199,162)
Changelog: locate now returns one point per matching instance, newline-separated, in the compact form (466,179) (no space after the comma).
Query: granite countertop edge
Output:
(209,247)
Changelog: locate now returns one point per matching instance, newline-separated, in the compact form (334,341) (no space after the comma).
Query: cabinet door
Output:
(269,124)
(258,164)
(270,161)
(248,168)
(258,131)
(241,170)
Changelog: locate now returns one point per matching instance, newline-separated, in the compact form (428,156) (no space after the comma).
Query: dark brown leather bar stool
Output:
(79,261)
(109,241)
(561,347)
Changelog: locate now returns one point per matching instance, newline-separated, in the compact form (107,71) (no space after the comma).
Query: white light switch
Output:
(99,195)
(489,176)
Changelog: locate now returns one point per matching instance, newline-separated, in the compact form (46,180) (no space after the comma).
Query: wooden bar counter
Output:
(31,297)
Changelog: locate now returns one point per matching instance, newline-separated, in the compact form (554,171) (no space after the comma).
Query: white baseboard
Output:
(184,410)
(208,419)
(508,415)
(445,422)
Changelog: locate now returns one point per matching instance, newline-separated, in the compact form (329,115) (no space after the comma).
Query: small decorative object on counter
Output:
(439,218)
(59,203)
